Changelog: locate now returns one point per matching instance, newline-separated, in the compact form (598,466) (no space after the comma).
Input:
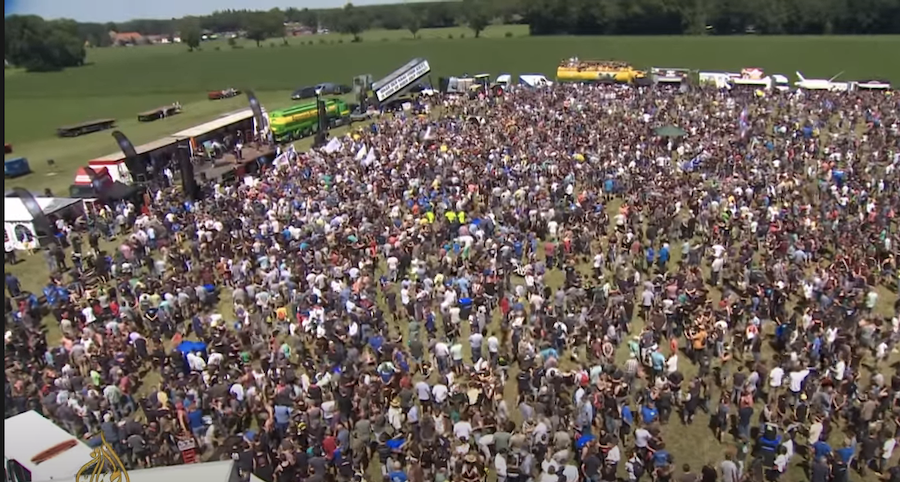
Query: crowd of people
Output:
(525,286)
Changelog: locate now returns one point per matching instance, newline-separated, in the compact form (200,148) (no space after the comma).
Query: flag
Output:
(370,158)
(281,160)
(333,145)
(361,154)
(743,122)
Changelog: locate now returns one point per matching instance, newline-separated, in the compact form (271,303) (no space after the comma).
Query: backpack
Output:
(637,467)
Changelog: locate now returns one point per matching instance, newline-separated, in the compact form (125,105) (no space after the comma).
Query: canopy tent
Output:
(19,230)
(82,178)
(669,131)
(187,346)
(14,209)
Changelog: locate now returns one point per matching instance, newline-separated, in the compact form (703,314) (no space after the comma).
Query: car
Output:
(223,94)
(326,88)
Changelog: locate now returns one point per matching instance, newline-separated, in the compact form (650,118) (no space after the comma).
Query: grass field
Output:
(120,82)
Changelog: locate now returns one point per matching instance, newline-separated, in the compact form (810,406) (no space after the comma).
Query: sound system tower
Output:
(322,131)
(323,116)
(188,182)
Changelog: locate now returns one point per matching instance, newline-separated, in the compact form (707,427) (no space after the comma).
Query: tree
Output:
(412,20)
(351,21)
(476,14)
(263,25)
(40,46)
(308,18)
(190,32)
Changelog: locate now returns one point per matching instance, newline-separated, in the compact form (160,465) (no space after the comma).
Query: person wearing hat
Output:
(470,470)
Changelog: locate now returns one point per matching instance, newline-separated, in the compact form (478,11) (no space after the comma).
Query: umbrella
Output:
(669,131)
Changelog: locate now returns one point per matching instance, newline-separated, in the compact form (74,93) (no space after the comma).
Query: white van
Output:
(37,450)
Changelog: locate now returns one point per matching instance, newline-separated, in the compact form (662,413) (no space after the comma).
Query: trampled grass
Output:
(120,82)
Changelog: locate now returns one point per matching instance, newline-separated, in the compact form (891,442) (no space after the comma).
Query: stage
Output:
(229,165)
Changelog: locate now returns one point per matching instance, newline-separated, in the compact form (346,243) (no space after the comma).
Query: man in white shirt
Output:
(440,393)
(462,429)
(672,364)
(442,355)
(493,350)
(796,381)
(776,380)
(423,391)
(456,354)
(642,437)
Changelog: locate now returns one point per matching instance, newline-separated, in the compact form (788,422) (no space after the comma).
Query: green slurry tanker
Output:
(302,120)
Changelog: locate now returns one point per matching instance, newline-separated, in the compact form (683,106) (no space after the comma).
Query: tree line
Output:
(37,44)
(715,17)
(574,17)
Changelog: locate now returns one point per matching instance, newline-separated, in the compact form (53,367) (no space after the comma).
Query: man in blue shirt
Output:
(657,361)
(663,257)
(661,456)
(821,449)
(627,418)
(845,454)
(397,475)
(282,418)
(649,413)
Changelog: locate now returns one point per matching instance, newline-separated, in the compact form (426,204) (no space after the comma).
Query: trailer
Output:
(302,120)
(160,112)
(85,128)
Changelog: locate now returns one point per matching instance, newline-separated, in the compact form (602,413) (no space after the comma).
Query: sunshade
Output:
(669,131)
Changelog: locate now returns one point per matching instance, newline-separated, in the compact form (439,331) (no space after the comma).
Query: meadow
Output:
(120,82)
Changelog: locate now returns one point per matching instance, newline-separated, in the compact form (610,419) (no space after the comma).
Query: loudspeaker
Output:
(256,107)
(323,116)
(320,139)
(38,218)
(188,183)
(137,168)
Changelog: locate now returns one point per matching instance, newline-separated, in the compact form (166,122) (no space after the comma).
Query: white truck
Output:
(525,80)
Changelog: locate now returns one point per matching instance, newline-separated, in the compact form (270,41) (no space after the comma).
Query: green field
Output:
(120,82)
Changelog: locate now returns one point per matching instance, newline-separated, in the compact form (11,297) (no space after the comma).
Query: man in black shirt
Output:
(708,473)
(590,467)
(820,471)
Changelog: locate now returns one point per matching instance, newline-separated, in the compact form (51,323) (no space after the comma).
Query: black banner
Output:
(137,168)
(256,107)
(38,218)
(97,184)
(188,181)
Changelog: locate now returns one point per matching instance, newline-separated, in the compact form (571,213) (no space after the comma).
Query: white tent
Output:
(29,434)
(222,471)
(18,224)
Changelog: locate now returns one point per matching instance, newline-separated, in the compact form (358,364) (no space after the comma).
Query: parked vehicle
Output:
(302,120)
(223,94)
(327,88)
